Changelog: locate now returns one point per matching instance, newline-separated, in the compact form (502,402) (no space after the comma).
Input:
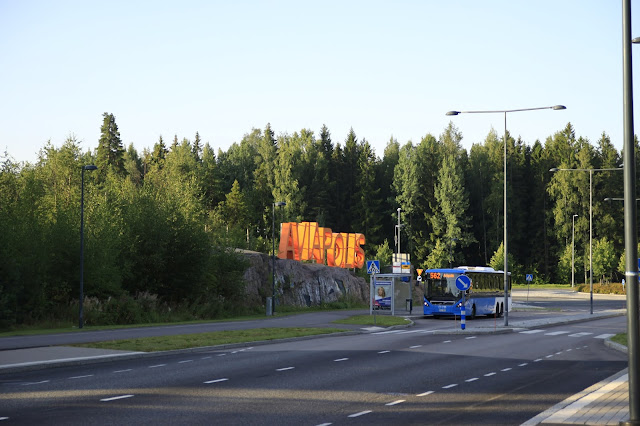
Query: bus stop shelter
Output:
(390,293)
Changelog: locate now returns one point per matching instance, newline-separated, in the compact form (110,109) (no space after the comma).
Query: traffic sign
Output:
(373,266)
(463,282)
(529,277)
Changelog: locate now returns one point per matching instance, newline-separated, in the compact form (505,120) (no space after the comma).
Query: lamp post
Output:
(573,239)
(273,254)
(555,169)
(80,310)
(504,243)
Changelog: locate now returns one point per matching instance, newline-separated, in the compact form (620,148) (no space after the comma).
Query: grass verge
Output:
(379,320)
(620,338)
(184,341)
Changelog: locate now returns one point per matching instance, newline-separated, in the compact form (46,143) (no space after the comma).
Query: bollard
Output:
(462,318)
(269,307)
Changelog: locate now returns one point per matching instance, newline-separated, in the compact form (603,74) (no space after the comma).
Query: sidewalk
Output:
(605,403)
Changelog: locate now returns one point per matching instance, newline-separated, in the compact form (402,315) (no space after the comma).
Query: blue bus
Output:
(485,297)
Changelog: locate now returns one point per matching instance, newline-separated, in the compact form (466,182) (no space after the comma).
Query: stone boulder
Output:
(300,284)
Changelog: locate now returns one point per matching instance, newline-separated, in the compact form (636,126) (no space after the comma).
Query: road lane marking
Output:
(114,398)
(81,377)
(221,354)
(415,346)
(523,364)
(400,401)
(384,352)
(470,337)
(584,333)
(569,350)
(425,393)
(558,353)
(158,365)
(285,368)
(537,360)
(216,381)
(4,418)
(489,374)
(453,385)
(340,359)
(324,424)
(123,371)
(471,380)
(185,361)
(531,331)
(35,383)
(447,341)
(556,333)
(206,357)
(506,369)
(361,413)
(549,356)
(604,336)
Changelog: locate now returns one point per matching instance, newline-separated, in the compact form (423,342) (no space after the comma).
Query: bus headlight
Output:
(426,304)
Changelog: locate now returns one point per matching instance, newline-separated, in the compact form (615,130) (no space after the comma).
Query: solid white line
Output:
(185,361)
(453,385)
(416,346)
(489,374)
(603,336)
(425,393)
(523,364)
(285,369)
(384,352)
(400,401)
(81,377)
(471,380)
(123,371)
(506,369)
(115,398)
(340,359)
(361,413)
(156,366)
(216,381)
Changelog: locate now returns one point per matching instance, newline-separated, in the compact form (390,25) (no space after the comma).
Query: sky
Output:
(384,68)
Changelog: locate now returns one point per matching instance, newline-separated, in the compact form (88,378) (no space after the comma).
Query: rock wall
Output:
(300,284)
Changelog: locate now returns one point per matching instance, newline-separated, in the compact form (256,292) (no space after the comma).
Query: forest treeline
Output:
(161,224)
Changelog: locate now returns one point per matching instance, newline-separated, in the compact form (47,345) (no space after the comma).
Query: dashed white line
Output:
(216,381)
(157,365)
(114,398)
(523,364)
(123,371)
(531,331)
(584,333)
(489,374)
(285,368)
(361,413)
(4,418)
(425,393)
(384,352)
(221,354)
(537,360)
(556,333)
(399,401)
(447,341)
(415,346)
(35,383)
(340,359)
(206,357)
(185,361)
(81,377)
(473,379)
(549,356)
(558,353)
(453,385)
(569,350)
(470,337)
(604,336)
(324,424)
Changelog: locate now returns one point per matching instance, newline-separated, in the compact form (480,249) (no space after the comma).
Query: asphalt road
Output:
(406,376)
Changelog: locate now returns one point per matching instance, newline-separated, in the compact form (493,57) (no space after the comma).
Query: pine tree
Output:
(110,153)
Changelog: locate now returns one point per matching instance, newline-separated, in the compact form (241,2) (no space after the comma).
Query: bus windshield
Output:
(442,286)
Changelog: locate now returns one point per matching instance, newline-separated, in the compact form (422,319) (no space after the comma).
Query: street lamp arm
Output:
(502,111)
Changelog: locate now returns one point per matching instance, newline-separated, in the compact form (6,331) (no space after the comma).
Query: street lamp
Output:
(80,310)
(273,254)
(506,277)
(555,169)
(573,238)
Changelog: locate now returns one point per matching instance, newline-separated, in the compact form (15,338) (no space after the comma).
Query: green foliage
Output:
(604,259)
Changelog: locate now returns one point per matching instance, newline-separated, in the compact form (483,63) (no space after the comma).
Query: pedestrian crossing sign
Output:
(373,266)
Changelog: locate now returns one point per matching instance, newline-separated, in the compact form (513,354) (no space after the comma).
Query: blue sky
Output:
(384,68)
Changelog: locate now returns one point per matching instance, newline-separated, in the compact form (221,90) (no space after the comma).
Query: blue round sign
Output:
(463,282)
